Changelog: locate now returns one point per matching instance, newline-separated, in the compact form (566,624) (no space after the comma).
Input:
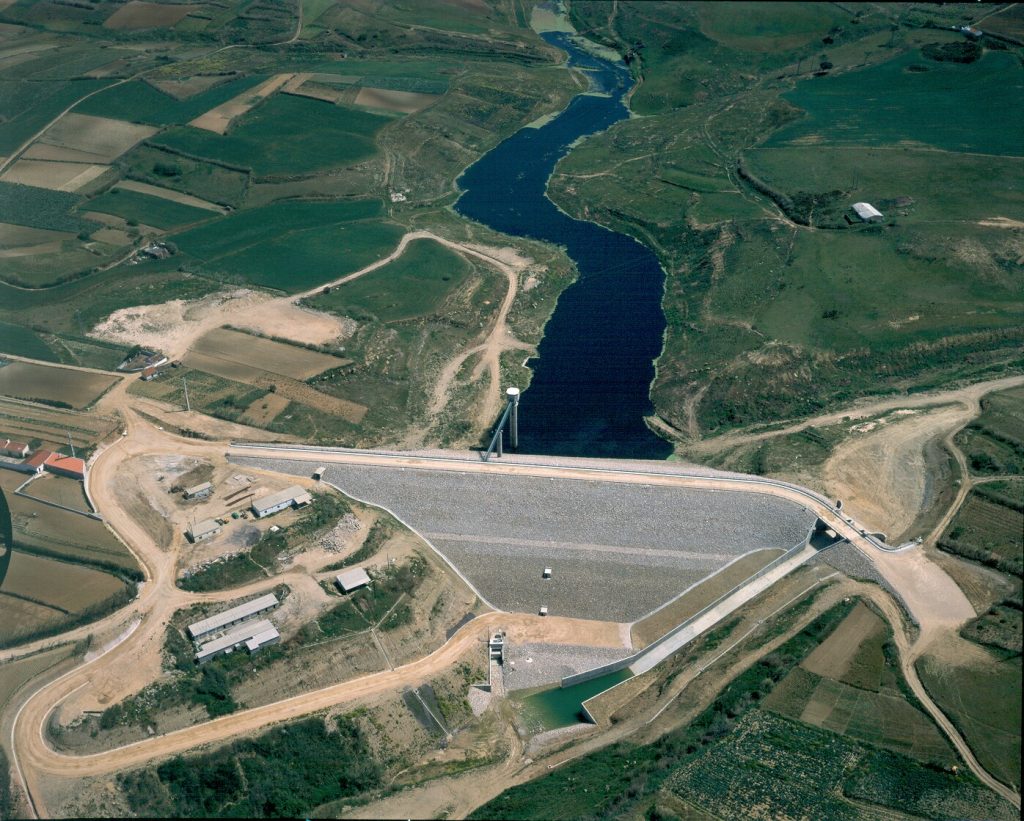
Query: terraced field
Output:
(58,386)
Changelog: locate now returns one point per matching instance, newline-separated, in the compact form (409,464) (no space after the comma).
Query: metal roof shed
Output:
(867,212)
(352,579)
(205,529)
(244,611)
(293,495)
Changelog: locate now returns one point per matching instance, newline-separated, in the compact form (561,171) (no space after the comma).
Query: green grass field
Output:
(416,284)
(880,175)
(285,135)
(155,211)
(41,208)
(311,243)
(22,341)
(139,102)
(983,700)
(892,105)
(200,179)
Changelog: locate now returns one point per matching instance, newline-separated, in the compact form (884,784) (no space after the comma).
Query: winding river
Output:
(590,389)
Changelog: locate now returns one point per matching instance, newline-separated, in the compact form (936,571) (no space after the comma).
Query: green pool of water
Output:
(563,706)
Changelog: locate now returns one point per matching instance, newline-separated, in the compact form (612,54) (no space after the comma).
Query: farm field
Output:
(31,107)
(994,442)
(244,357)
(104,139)
(21,341)
(414,285)
(983,700)
(312,243)
(817,317)
(69,588)
(50,427)
(14,674)
(850,685)
(24,619)
(58,176)
(48,531)
(204,180)
(285,135)
(907,106)
(146,209)
(882,176)
(42,383)
(989,531)
(137,14)
(138,101)
(59,489)
(736,755)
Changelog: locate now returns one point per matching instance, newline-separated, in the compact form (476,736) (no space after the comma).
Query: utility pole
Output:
(184,384)
(70,443)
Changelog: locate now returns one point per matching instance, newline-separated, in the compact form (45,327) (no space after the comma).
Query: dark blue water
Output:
(593,370)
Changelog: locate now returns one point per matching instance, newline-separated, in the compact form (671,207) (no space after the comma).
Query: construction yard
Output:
(616,552)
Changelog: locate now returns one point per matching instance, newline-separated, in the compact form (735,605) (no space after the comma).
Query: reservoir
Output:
(590,389)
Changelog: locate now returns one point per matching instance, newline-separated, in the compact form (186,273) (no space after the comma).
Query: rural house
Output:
(9,447)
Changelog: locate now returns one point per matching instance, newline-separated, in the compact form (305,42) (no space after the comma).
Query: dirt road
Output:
(934,600)
(969,396)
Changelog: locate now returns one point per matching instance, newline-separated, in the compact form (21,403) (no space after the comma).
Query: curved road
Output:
(921,583)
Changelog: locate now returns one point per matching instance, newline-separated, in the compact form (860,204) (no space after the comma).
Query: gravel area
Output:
(617,550)
(538,665)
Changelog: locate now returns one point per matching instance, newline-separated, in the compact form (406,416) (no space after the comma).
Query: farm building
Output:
(70,466)
(867,212)
(36,463)
(199,491)
(352,580)
(290,496)
(206,529)
(236,615)
(253,635)
(8,447)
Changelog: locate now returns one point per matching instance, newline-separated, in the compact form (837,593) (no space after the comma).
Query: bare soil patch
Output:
(219,119)
(832,658)
(141,15)
(406,102)
(26,380)
(172,326)
(67,586)
(882,474)
(14,236)
(56,176)
(317,91)
(183,89)
(59,153)
(265,410)
(106,138)
(173,196)
(255,356)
